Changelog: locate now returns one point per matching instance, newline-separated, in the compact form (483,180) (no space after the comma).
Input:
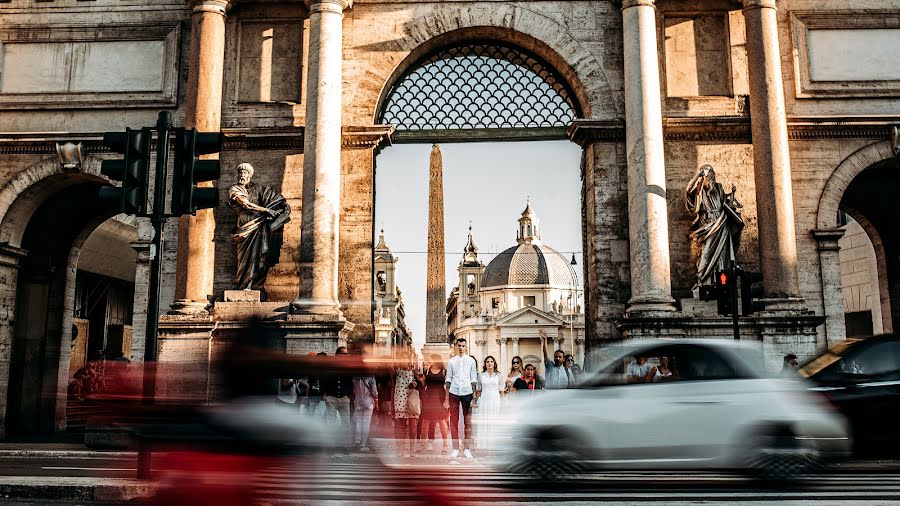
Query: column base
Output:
(649,306)
(189,308)
(313,308)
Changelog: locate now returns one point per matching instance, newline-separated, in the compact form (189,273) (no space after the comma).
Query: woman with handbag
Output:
(407,406)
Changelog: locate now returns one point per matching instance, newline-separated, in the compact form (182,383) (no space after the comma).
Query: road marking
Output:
(67,468)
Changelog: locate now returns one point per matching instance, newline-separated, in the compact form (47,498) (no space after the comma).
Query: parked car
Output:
(862,378)
(718,410)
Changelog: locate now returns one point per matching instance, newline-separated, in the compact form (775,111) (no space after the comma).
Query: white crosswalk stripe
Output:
(354,482)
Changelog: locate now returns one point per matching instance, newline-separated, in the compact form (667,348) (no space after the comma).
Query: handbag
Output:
(413,402)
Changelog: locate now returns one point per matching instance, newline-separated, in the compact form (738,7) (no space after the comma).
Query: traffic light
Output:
(189,170)
(132,171)
(750,294)
(726,291)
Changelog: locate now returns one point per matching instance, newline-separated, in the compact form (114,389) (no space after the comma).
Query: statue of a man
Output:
(717,221)
(262,214)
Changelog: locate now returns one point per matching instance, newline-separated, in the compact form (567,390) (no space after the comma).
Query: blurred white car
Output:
(718,410)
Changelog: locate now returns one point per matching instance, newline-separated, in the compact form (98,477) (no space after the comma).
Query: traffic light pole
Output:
(735,313)
(157,218)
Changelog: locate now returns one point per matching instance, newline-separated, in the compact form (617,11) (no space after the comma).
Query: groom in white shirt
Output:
(459,389)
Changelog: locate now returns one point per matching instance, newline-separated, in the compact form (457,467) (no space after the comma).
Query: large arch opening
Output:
(71,295)
(498,108)
(870,250)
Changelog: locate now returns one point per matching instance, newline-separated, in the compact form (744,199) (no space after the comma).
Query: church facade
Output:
(526,293)
(309,92)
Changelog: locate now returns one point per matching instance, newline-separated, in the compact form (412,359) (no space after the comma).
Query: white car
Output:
(717,411)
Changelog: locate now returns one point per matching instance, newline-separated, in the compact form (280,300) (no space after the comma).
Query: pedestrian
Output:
(336,390)
(557,376)
(459,387)
(405,418)
(515,372)
(640,371)
(365,398)
(664,372)
(789,366)
(314,403)
(487,403)
(572,369)
(383,418)
(529,382)
(433,410)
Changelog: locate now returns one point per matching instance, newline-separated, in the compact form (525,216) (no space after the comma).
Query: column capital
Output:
(515,340)
(827,239)
(215,6)
(337,6)
(638,3)
(759,4)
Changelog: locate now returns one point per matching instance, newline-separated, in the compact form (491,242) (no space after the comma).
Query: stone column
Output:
(322,162)
(11,259)
(579,352)
(504,356)
(648,226)
(515,351)
(203,111)
(771,160)
(832,292)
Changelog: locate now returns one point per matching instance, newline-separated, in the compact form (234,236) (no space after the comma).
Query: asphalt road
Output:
(343,480)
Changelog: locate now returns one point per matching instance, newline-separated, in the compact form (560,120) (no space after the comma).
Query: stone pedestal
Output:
(242,296)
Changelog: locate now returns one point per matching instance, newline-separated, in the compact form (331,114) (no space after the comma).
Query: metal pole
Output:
(157,218)
(733,295)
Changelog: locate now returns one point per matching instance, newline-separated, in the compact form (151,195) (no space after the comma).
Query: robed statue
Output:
(258,233)
(717,223)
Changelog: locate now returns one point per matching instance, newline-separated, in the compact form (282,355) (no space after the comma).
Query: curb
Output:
(77,490)
(93,454)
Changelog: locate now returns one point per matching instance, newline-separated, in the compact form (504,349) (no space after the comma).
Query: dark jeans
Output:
(455,402)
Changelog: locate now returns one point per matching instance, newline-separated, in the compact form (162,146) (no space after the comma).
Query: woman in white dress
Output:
(487,403)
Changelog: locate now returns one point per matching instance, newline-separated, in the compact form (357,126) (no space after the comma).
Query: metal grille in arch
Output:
(479,86)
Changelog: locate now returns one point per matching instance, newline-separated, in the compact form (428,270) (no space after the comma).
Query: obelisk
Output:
(436,302)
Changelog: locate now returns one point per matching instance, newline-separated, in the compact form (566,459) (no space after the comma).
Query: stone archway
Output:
(834,199)
(34,234)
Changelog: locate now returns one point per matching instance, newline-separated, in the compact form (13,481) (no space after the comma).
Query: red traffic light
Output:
(723,279)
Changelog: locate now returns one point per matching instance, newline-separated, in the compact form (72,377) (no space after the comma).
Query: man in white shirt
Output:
(640,371)
(459,389)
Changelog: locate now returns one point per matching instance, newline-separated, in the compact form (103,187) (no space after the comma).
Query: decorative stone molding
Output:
(214,6)
(247,139)
(367,137)
(70,156)
(827,239)
(337,6)
(638,3)
(759,4)
(708,128)
(585,132)
(11,256)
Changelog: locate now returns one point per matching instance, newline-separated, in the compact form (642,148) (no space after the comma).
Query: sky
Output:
(487,183)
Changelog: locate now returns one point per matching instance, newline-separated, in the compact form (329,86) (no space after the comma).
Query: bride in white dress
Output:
(487,403)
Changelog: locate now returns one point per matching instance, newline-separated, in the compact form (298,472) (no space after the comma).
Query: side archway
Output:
(843,175)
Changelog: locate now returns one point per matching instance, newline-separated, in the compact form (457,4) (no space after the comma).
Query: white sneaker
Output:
(454,453)
(429,446)
(364,448)
(468,454)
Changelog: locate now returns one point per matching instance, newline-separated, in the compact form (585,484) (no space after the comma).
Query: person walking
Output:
(487,403)
(433,410)
(459,388)
(336,390)
(515,372)
(789,366)
(405,419)
(365,398)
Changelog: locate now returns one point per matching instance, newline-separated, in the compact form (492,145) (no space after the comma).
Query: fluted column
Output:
(648,228)
(515,352)
(771,159)
(203,111)
(322,162)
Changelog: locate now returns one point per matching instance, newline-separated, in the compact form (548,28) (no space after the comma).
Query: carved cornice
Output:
(714,128)
(638,3)
(337,6)
(367,137)
(585,132)
(251,139)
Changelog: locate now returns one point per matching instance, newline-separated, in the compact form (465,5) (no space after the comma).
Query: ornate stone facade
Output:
(299,87)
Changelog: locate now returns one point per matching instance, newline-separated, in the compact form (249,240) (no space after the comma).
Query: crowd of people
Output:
(414,405)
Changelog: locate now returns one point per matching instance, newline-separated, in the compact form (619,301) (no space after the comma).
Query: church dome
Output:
(529,264)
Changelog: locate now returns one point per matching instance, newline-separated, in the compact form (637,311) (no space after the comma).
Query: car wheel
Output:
(550,455)
(775,455)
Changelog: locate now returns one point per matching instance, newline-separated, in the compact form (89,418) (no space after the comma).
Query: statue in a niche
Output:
(258,233)
(717,224)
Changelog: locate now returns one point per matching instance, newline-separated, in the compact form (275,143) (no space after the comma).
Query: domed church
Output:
(527,290)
